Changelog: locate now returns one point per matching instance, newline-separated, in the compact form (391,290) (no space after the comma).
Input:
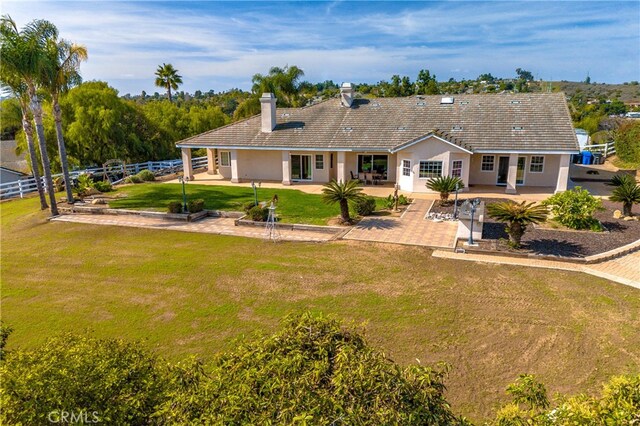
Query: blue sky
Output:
(220,45)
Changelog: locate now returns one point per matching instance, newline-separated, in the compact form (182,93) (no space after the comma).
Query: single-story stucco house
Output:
(503,140)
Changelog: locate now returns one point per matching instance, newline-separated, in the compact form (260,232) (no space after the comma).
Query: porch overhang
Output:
(425,137)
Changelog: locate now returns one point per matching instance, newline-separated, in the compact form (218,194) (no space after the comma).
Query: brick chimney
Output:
(268,112)
(346,95)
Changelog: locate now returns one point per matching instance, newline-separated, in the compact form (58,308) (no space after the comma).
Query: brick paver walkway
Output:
(212,225)
(412,229)
(624,270)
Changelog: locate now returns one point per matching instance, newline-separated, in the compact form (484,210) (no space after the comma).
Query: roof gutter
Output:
(287,148)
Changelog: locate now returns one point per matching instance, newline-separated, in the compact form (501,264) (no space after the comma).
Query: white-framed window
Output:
(319,161)
(430,169)
(406,167)
(537,164)
(488,163)
(456,168)
(225,158)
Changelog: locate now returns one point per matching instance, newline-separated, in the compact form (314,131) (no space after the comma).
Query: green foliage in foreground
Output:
(314,370)
(517,216)
(575,208)
(627,139)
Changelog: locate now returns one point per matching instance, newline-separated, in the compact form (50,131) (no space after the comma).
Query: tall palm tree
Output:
(23,53)
(517,216)
(283,82)
(167,77)
(342,192)
(60,74)
(19,90)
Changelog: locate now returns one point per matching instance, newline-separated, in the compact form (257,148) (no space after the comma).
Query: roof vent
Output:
(347,129)
(421,103)
(464,102)
(446,100)
(285,115)
(516,102)
(376,105)
(517,128)
(298,129)
(401,128)
(457,128)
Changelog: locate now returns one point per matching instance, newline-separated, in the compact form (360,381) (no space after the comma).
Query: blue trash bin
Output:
(587,157)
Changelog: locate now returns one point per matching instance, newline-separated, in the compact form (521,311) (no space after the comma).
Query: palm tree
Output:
(282,82)
(60,74)
(19,90)
(627,193)
(517,216)
(23,53)
(339,192)
(619,180)
(445,185)
(167,77)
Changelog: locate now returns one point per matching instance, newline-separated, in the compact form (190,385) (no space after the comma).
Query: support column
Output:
(466,168)
(187,166)
(512,176)
(341,175)
(286,168)
(235,178)
(563,172)
(211,161)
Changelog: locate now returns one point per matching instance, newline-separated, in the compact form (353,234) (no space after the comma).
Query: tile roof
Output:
(526,122)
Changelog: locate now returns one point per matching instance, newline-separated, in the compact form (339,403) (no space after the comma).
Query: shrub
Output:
(175,207)
(118,381)
(342,193)
(248,206)
(103,186)
(403,200)
(627,193)
(627,141)
(5,331)
(445,185)
(259,214)
(575,208)
(133,179)
(195,206)
(365,205)
(146,175)
(390,202)
(517,216)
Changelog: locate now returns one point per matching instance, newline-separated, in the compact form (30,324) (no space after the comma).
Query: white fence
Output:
(606,149)
(159,168)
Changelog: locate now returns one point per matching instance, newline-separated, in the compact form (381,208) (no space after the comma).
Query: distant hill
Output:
(624,92)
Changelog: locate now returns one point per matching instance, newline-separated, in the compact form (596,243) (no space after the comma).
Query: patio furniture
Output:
(352,176)
(363,178)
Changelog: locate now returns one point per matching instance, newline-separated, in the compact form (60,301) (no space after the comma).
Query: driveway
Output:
(410,229)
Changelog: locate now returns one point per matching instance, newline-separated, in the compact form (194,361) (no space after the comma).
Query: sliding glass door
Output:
(377,164)
(301,167)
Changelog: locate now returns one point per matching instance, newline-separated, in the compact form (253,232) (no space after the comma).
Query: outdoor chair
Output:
(363,178)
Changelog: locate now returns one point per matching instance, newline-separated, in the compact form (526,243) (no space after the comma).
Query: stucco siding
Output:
(548,177)
(259,165)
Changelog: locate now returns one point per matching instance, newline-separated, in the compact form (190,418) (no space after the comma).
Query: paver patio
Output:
(412,229)
(211,225)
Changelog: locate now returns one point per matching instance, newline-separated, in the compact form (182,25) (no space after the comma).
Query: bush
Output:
(575,209)
(259,214)
(175,207)
(133,179)
(390,202)
(103,186)
(366,205)
(445,185)
(403,201)
(627,142)
(146,175)
(109,381)
(248,206)
(195,206)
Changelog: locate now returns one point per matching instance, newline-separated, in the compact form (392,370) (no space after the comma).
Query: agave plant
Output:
(342,192)
(445,185)
(517,216)
(627,193)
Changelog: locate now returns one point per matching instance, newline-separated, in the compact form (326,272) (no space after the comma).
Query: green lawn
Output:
(184,293)
(293,206)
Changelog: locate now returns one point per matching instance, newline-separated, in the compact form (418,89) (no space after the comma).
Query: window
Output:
(319,161)
(456,168)
(406,167)
(487,163)
(430,169)
(225,158)
(537,164)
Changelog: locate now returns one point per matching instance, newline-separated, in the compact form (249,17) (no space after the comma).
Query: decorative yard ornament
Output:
(469,207)
(182,180)
(395,196)
(272,232)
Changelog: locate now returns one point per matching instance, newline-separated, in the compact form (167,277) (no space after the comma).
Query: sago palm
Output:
(23,54)
(445,185)
(342,192)
(517,216)
(628,193)
(59,75)
(168,78)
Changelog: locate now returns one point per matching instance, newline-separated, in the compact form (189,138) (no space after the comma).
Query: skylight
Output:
(447,100)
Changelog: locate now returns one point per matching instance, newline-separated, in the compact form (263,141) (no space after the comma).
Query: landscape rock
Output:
(617,214)
(628,218)
(99,201)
